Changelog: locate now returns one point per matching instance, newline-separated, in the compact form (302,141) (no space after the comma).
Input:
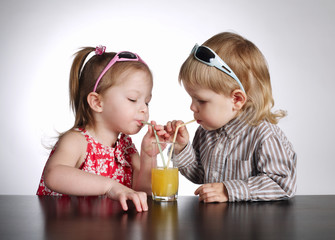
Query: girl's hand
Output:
(182,138)
(212,192)
(149,138)
(122,193)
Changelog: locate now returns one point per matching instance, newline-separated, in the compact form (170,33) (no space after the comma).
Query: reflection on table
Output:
(32,217)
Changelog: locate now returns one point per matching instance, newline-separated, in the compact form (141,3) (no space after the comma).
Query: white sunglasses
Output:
(209,57)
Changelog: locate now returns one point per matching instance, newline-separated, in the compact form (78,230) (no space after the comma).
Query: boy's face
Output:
(211,110)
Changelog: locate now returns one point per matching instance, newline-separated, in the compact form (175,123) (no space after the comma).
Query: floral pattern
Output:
(112,162)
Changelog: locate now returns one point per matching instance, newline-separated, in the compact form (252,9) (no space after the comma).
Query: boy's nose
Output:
(193,108)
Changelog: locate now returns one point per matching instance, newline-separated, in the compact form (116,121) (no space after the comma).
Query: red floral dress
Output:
(107,161)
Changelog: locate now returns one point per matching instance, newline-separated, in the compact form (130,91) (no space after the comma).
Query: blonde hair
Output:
(249,65)
(82,82)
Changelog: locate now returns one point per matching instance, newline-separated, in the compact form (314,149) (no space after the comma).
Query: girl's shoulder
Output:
(70,149)
(73,134)
(73,138)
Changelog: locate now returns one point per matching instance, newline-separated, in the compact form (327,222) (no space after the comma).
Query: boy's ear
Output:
(95,101)
(239,99)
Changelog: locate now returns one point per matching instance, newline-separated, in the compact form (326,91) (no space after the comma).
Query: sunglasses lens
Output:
(204,54)
(128,55)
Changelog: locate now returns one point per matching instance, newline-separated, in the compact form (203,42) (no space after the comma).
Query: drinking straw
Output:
(174,140)
(157,140)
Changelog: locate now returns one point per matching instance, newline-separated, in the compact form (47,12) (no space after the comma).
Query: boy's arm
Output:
(276,178)
(186,156)
(188,161)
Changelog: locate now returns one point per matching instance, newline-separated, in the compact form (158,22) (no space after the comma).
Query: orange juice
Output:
(164,183)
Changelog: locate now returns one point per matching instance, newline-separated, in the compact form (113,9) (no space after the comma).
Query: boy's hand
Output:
(212,192)
(182,138)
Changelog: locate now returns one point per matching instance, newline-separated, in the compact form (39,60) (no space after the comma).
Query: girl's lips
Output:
(198,121)
(140,123)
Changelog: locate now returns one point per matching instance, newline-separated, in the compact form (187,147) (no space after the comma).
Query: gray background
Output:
(38,39)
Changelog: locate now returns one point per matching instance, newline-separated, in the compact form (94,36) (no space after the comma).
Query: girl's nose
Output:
(144,108)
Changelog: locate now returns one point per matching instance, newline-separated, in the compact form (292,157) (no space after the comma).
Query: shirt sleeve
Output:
(189,164)
(276,173)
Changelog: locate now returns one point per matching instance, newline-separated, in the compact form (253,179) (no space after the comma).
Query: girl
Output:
(238,152)
(109,95)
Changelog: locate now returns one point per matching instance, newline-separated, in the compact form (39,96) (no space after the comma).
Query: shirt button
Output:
(220,146)
(215,175)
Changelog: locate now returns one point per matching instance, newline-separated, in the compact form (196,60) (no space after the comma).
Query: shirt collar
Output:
(235,126)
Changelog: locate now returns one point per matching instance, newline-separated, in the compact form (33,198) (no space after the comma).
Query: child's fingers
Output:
(176,123)
(182,130)
(163,134)
(168,126)
(172,126)
(211,192)
(143,200)
(136,202)
(140,201)
(204,189)
(198,190)
(211,198)
(153,123)
(206,193)
(123,202)
(159,128)
(150,130)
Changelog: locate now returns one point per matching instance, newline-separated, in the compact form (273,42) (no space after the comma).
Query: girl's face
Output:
(125,104)
(211,110)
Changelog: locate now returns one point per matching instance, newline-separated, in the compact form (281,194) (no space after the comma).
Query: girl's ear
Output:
(95,101)
(239,99)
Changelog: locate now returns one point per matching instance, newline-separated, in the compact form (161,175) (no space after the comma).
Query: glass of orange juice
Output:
(164,178)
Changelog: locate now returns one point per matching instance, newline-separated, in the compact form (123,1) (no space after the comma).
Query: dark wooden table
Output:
(32,217)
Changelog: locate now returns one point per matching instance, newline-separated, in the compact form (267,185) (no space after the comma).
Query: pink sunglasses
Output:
(123,56)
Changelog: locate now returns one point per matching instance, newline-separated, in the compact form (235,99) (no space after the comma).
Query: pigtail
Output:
(76,69)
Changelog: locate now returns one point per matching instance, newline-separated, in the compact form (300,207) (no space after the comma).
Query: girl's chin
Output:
(132,131)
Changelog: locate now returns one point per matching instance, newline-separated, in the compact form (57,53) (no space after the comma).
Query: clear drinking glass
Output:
(164,176)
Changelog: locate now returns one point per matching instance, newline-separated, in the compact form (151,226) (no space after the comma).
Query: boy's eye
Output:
(201,101)
(132,100)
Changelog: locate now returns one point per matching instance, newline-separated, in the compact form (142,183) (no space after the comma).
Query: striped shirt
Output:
(255,163)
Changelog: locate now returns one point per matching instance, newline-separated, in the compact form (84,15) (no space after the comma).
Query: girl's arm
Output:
(62,174)
(142,164)
(142,172)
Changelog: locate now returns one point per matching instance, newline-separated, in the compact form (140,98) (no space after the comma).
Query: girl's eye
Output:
(147,104)
(132,100)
